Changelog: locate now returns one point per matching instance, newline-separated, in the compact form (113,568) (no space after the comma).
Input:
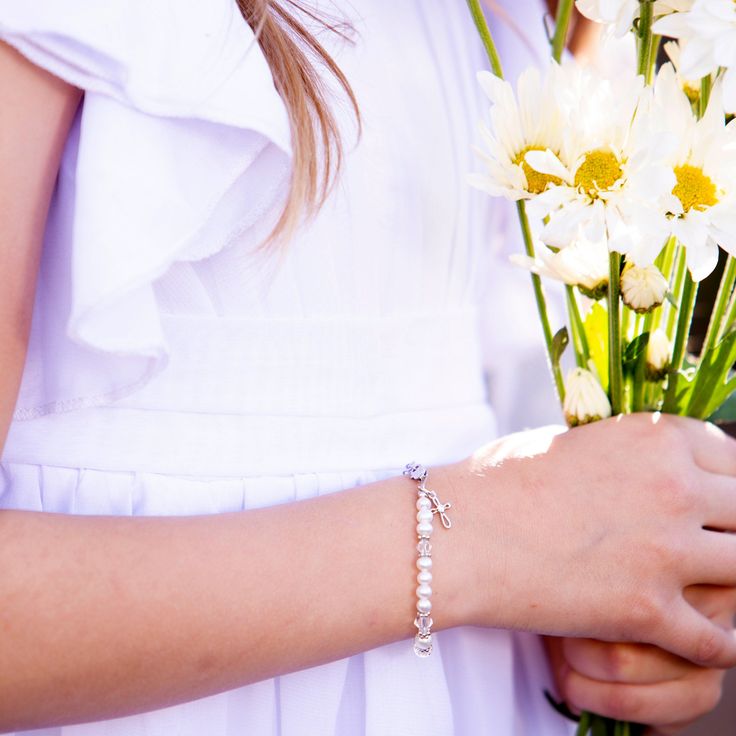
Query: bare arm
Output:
(36,110)
(106,616)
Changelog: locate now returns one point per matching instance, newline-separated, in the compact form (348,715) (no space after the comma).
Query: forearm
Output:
(135,614)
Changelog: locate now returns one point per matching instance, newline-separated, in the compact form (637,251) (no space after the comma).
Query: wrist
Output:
(469,560)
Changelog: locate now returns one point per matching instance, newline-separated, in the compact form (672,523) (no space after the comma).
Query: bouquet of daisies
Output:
(626,193)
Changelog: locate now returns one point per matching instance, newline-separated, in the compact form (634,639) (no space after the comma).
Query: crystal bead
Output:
(423,645)
(424,624)
(424,548)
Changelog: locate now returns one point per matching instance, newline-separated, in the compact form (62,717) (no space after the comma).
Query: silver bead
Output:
(423,645)
(424,591)
(424,563)
(424,606)
(424,577)
(424,547)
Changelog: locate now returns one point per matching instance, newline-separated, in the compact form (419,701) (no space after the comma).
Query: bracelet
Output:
(428,504)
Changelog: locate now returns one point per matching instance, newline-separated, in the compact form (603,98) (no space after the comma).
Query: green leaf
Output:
(681,397)
(726,413)
(712,386)
(559,343)
(596,330)
(635,351)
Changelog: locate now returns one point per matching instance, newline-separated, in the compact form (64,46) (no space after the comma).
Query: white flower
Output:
(701,206)
(582,264)
(643,288)
(690,85)
(621,13)
(611,168)
(528,121)
(585,399)
(708,34)
(658,356)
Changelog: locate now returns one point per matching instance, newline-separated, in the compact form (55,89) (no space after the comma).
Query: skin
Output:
(103,616)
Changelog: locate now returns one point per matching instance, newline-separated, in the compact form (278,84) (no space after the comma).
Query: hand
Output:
(639,682)
(596,532)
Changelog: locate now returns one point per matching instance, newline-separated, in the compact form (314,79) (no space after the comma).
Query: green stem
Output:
(485,36)
(580,339)
(676,291)
(562,24)
(713,335)
(730,317)
(584,725)
(706,84)
(687,307)
(645,38)
(638,403)
(615,368)
(541,302)
(656,42)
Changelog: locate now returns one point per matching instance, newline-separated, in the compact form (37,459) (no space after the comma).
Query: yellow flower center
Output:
(692,92)
(536,182)
(599,172)
(694,189)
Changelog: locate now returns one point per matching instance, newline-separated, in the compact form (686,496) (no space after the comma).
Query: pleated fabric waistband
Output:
(267,397)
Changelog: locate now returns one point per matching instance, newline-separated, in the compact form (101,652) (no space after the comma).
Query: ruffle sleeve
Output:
(181,145)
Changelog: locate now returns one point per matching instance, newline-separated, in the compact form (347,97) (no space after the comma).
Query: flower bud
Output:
(585,399)
(659,355)
(643,288)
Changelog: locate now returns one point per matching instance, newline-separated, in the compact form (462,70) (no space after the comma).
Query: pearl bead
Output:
(424,529)
(424,563)
(425,515)
(424,591)
(424,605)
(423,503)
(424,577)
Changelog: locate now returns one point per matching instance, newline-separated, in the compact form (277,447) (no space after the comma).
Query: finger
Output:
(633,664)
(660,705)
(718,497)
(716,602)
(689,634)
(712,560)
(713,450)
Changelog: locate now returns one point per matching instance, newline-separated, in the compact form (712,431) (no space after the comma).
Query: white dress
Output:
(175,369)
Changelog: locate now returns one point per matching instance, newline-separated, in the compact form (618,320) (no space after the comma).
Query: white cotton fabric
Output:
(174,368)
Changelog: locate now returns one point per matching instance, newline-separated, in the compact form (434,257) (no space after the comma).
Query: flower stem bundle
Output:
(625,188)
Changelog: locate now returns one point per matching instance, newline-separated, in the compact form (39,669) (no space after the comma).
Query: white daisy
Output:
(643,288)
(585,399)
(620,14)
(708,34)
(690,85)
(658,356)
(582,264)
(531,120)
(611,169)
(701,207)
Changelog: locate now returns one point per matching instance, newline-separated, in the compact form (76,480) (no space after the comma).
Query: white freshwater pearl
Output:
(424,529)
(424,606)
(425,515)
(424,577)
(424,591)
(424,563)
(423,503)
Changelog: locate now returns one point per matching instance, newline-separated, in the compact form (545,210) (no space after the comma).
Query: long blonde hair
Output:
(295,57)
